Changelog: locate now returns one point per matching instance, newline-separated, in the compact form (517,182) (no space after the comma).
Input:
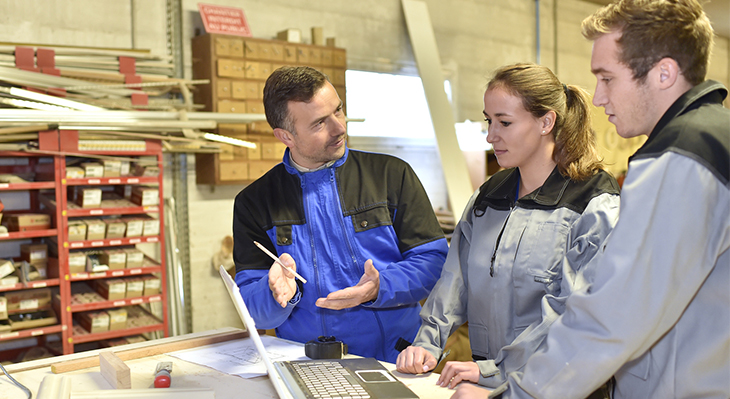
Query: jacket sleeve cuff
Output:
(489,374)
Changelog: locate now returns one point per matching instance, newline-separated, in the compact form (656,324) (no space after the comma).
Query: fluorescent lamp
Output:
(228,140)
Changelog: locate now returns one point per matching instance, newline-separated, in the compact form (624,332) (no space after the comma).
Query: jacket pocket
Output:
(479,340)
(370,218)
(283,235)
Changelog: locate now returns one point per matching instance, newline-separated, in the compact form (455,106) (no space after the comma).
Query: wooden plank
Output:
(167,393)
(54,387)
(114,371)
(150,350)
(26,129)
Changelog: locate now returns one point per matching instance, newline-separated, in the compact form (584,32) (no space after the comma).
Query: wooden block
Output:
(317,36)
(114,371)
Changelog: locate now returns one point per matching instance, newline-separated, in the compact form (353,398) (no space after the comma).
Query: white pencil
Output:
(277,260)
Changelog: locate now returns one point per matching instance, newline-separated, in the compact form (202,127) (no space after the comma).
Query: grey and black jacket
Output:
(657,314)
(508,255)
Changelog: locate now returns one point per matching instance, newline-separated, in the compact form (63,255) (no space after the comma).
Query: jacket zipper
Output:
(496,245)
(314,255)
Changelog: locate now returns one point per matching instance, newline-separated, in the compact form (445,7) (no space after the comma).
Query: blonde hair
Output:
(655,29)
(541,91)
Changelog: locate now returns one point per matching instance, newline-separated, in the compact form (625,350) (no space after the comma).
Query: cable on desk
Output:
(19,385)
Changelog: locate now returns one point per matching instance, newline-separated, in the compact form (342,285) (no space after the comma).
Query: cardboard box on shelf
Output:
(117,319)
(150,227)
(134,226)
(135,257)
(115,228)
(145,196)
(24,321)
(76,230)
(95,229)
(151,285)
(9,280)
(93,265)
(28,299)
(7,267)
(28,222)
(34,253)
(112,168)
(3,308)
(135,287)
(146,170)
(76,262)
(93,322)
(124,168)
(115,259)
(124,191)
(111,289)
(74,172)
(32,272)
(89,197)
(93,169)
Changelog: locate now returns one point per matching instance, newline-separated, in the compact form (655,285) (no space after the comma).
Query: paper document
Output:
(240,357)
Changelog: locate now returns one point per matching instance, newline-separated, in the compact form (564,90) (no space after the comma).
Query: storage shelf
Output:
(31,332)
(19,235)
(76,212)
(115,273)
(80,339)
(111,242)
(39,185)
(115,303)
(30,285)
(91,181)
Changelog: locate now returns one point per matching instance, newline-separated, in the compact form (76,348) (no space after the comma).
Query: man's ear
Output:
(667,70)
(548,121)
(284,136)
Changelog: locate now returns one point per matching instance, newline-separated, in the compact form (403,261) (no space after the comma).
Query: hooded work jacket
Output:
(657,315)
(364,206)
(507,255)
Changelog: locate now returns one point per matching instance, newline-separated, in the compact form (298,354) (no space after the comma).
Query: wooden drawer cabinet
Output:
(237,69)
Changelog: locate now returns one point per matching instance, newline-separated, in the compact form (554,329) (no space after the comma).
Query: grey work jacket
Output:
(507,255)
(657,315)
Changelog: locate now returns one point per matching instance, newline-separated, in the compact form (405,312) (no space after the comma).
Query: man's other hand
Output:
(281,281)
(415,360)
(470,391)
(456,372)
(365,290)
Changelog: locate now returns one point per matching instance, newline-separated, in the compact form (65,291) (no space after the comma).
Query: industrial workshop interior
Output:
(129,127)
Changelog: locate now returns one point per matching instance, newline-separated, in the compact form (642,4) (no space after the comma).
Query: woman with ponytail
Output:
(528,236)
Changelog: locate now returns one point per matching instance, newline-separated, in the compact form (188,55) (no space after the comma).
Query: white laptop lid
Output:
(274,375)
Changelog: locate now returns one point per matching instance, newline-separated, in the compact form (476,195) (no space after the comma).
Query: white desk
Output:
(184,375)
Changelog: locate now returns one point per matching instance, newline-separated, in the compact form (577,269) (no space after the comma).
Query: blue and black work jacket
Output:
(364,206)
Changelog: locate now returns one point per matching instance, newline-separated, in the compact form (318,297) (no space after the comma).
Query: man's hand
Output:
(470,391)
(365,290)
(456,372)
(415,360)
(281,281)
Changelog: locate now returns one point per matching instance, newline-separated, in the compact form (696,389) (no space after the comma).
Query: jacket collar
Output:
(709,91)
(548,195)
(287,161)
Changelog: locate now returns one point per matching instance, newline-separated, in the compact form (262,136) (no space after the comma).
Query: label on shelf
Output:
(94,181)
(76,245)
(97,243)
(118,273)
(132,180)
(152,239)
(4,185)
(29,304)
(155,298)
(115,242)
(135,271)
(115,181)
(9,335)
(35,333)
(81,275)
(39,284)
(119,303)
(96,212)
(135,240)
(136,301)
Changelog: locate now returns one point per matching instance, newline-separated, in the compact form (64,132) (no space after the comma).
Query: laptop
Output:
(358,378)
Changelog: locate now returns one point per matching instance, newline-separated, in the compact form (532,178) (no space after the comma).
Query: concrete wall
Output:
(473,36)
